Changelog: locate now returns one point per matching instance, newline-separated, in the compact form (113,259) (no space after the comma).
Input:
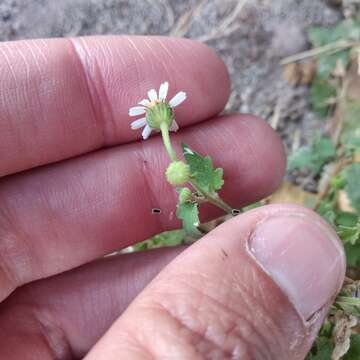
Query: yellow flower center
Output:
(153,103)
(157,112)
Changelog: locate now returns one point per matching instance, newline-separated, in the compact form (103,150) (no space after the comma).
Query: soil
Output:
(262,34)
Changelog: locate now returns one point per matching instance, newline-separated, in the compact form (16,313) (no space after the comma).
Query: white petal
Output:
(146,132)
(164,87)
(137,110)
(174,126)
(137,124)
(144,102)
(152,95)
(177,99)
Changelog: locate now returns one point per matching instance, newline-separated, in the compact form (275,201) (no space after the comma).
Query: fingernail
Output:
(304,258)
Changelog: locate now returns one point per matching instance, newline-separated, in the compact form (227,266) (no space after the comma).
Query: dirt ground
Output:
(251,43)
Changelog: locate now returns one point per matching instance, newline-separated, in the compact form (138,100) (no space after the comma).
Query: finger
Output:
(65,97)
(258,287)
(64,215)
(80,304)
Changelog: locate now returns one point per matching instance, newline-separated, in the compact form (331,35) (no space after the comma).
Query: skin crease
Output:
(62,104)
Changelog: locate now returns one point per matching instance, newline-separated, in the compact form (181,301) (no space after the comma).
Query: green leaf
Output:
(321,350)
(352,254)
(350,137)
(352,143)
(326,328)
(327,63)
(349,303)
(324,149)
(300,159)
(172,238)
(349,234)
(344,218)
(338,182)
(352,175)
(313,157)
(348,29)
(167,238)
(354,351)
(348,229)
(327,211)
(202,170)
(189,214)
(319,36)
(321,92)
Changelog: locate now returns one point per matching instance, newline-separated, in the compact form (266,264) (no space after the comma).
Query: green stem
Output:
(213,198)
(167,143)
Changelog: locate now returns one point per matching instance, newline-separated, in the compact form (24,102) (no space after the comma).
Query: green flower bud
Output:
(178,173)
(184,195)
(158,113)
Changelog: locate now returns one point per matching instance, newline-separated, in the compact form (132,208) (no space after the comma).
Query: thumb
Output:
(257,287)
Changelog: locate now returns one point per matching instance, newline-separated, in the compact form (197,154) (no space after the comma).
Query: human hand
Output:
(257,287)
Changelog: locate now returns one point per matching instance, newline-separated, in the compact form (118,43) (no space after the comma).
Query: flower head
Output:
(156,110)
(178,173)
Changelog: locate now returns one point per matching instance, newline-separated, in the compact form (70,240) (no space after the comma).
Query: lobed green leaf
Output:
(348,29)
(321,94)
(189,214)
(202,170)
(313,157)
(328,62)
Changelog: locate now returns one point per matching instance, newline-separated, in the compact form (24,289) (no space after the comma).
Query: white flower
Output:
(147,104)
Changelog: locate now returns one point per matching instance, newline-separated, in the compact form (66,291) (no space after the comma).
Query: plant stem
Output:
(167,143)
(338,167)
(333,47)
(213,198)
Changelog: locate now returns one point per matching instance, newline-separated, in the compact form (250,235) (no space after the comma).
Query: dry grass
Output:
(226,27)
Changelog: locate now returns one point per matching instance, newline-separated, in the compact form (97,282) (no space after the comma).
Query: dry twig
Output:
(338,167)
(330,49)
(183,25)
(227,26)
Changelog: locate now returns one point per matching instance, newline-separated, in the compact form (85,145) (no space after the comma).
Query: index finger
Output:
(61,98)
